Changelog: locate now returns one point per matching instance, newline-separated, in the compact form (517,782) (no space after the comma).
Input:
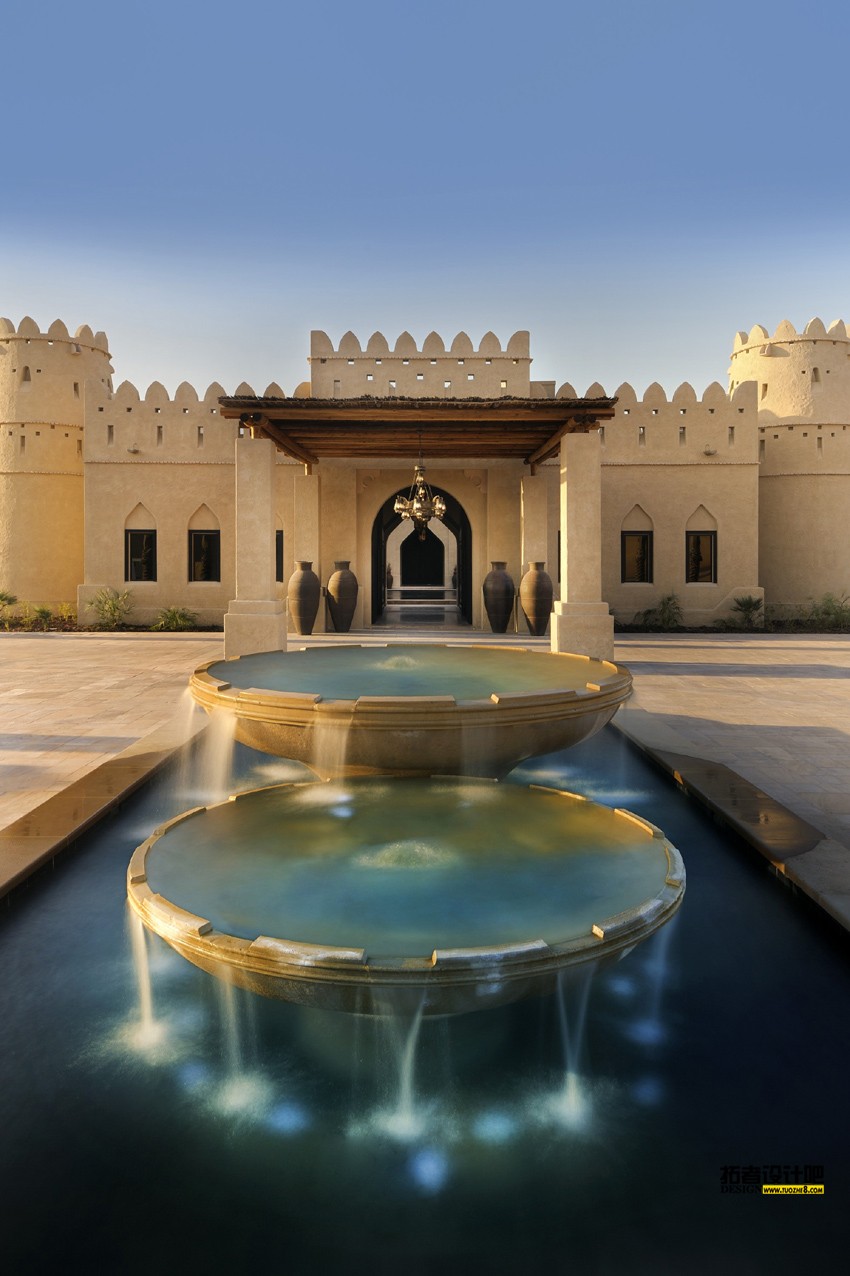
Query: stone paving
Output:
(774,709)
(70,702)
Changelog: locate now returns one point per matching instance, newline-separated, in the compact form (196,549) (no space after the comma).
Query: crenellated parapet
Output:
(717,429)
(458,371)
(801,377)
(154,428)
(43,375)
(28,331)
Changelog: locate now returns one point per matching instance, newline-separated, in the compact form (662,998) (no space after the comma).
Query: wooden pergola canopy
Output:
(506,428)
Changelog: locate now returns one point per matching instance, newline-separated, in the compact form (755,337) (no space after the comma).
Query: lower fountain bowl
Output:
(441,896)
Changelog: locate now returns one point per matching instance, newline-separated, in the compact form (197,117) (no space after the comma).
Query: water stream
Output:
(330,745)
(569,1103)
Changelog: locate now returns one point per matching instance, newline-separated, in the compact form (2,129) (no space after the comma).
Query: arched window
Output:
(25,376)
(701,548)
(636,547)
(204,546)
(139,545)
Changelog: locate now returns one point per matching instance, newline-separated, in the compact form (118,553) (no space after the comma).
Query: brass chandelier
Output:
(420,505)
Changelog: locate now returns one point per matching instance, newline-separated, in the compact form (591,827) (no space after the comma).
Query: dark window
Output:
(205,555)
(701,558)
(140,555)
(636,557)
(278,555)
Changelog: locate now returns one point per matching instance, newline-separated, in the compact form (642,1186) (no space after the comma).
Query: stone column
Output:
(255,620)
(581,621)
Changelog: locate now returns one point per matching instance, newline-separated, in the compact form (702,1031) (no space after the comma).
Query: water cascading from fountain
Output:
(204,774)
(244,1090)
(149,1032)
(330,745)
(404,1121)
(649,1029)
(569,1103)
(185,783)
(403,1115)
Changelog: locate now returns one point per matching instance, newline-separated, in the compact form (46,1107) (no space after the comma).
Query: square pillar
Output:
(581,621)
(255,619)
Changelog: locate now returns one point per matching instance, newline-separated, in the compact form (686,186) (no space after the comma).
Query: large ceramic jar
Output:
(342,596)
(303,593)
(535,598)
(498,597)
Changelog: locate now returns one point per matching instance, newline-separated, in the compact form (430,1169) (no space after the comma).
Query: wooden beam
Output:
(281,440)
(576,425)
(549,447)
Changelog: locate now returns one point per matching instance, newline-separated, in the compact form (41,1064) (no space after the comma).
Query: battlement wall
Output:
(801,376)
(43,375)
(718,429)
(28,331)
(157,429)
(807,448)
(460,371)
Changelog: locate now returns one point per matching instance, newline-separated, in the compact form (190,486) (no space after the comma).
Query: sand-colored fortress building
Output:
(207,502)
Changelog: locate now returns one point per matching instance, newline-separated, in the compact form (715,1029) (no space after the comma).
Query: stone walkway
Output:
(69,702)
(773,709)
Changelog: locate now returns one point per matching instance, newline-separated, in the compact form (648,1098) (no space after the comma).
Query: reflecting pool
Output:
(185,1123)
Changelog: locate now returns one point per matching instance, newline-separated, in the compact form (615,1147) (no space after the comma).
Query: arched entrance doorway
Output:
(422,559)
(422,562)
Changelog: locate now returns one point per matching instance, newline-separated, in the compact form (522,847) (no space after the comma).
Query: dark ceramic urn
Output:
(535,598)
(303,594)
(498,597)
(342,596)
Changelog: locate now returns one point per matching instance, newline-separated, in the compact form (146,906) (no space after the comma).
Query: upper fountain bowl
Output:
(412,709)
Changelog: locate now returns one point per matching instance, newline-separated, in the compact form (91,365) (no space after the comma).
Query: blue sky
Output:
(630,181)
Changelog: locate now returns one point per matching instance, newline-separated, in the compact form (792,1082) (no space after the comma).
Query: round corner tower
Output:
(803,388)
(43,378)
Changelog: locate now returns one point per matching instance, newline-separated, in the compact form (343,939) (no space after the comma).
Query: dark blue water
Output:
(116,1160)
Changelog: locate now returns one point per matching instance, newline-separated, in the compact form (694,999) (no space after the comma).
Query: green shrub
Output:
(666,614)
(110,607)
(66,616)
(749,610)
(828,612)
(175,618)
(42,617)
(6,600)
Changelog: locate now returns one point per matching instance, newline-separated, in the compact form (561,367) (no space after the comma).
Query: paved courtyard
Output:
(773,707)
(70,702)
